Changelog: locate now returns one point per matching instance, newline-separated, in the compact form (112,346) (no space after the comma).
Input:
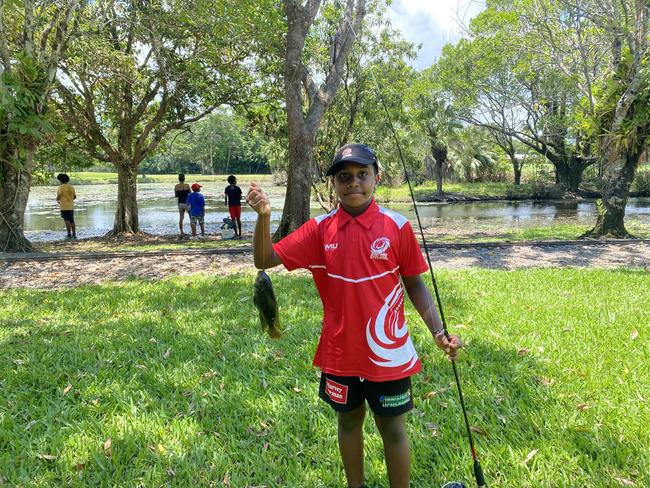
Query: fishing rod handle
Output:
(478,474)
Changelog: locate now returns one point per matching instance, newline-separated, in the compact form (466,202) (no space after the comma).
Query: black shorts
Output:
(386,398)
(68,215)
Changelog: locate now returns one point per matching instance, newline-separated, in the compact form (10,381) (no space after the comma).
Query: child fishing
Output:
(362,257)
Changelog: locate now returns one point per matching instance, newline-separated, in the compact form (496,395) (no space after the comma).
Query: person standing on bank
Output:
(361,257)
(66,196)
(181,191)
(233,200)
(196,204)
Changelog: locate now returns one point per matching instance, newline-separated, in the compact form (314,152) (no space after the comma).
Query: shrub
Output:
(641,182)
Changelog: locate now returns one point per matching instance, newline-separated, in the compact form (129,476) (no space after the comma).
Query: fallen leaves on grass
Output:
(67,389)
(433,428)
(582,406)
(108,452)
(426,396)
(546,381)
(478,430)
(530,455)
(167,353)
(634,334)
(523,351)
(46,457)
(79,466)
(625,481)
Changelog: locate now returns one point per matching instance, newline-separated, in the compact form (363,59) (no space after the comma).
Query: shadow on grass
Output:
(179,377)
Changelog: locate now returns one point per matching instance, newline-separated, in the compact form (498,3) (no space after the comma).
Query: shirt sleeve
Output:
(412,262)
(300,248)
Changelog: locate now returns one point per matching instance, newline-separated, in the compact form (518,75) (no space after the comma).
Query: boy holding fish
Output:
(362,257)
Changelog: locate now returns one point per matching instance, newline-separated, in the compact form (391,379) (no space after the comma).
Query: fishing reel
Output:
(453,484)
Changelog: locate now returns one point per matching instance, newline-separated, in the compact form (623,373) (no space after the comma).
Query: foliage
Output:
(23,125)
(641,181)
(220,143)
(168,383)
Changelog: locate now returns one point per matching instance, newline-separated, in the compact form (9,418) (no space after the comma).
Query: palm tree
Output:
(437,119)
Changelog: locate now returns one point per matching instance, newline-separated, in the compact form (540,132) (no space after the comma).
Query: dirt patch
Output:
(72,272)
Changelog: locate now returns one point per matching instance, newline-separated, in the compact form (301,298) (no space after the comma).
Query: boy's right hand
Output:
(258,199)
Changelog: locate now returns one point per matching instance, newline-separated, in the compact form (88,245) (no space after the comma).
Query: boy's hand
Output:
(450,346)
(257,199)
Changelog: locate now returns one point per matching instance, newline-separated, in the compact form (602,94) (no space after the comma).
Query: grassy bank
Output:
(91,178)
(172,383)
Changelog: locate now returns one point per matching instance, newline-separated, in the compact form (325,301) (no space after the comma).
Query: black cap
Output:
(353,153)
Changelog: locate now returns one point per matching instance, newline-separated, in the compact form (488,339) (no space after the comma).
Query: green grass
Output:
(160,243)
(427,189)
(179,376)
(555,232)
(91,178)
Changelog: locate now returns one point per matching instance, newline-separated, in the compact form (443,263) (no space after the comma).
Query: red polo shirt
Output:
(356,263)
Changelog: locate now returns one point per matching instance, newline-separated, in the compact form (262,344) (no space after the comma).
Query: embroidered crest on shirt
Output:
(388,339)
(379,247)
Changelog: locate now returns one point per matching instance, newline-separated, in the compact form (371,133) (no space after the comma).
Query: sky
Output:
(432,23)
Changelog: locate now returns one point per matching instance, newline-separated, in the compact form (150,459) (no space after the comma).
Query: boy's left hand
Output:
(450,346)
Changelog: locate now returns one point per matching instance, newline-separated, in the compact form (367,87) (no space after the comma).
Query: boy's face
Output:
(355,185)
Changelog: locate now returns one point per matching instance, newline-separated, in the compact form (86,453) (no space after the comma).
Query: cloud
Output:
(432,23)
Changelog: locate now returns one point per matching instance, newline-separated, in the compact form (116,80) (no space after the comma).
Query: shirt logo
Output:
(331,247)
(337,392)
(379,247)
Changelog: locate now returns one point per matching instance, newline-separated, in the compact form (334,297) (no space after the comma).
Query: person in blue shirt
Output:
(196,202)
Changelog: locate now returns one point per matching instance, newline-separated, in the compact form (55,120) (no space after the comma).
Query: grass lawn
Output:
(173,384)
(145,243)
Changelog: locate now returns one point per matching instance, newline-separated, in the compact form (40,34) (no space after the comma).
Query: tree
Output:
(437,119)
(604,46)
(34,36)
(502,82)
(143,69)
(376,63)
(304,115)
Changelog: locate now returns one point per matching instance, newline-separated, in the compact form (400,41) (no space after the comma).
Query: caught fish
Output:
(267,306)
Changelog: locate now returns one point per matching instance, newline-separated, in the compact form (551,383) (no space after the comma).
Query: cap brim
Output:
(336,166)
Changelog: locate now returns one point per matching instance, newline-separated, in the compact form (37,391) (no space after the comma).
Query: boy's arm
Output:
(264,256)
(423,303)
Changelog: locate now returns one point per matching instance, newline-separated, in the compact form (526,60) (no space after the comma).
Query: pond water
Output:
(95,211)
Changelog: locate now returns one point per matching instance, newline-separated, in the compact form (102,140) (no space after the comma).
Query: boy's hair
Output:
(232,179)
(63,178)
(181,177)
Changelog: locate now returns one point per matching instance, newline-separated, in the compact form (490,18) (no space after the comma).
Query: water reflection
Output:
(95,211)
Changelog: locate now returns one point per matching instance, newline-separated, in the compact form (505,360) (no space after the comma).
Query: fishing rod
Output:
(478,471)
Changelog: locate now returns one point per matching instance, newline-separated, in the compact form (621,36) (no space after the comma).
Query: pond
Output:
(95,211)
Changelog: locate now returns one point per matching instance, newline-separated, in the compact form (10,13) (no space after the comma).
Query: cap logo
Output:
(379,247)
(346,152)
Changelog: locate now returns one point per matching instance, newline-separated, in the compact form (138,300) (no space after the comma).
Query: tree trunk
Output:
(440,170)
(296,201)
(621,163)
(13,201)
(516,168)
(126,215)
(568,173)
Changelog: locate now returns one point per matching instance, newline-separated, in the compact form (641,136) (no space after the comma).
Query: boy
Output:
(233,200)
(357,255)
(181,192)
(196,204)
(66,196)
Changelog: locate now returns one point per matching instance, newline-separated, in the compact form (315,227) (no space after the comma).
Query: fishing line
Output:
(478,471)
